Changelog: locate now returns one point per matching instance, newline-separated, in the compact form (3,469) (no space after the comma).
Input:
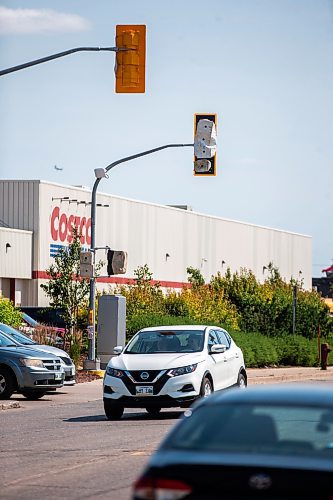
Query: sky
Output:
(264,66)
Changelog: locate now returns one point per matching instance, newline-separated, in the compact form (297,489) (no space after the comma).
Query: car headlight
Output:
(183,370)
(113,372)
(32,363)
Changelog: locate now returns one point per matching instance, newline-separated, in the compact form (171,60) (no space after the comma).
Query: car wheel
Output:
(113,411)
(7,383)
(33,395)
(241,382)
(206,388)
(153,410)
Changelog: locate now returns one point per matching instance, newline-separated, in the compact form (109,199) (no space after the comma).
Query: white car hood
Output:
(160,361)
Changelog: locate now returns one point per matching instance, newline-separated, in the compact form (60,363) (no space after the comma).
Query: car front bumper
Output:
(69,374)
(41,379)
(167,392)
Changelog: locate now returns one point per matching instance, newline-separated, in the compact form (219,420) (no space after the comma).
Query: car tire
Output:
(33,395)
(113,411)
(241,382)
(206,387)
(153,410)
(7,383)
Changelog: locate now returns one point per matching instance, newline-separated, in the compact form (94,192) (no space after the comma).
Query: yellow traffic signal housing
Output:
(130,66)
(203,164)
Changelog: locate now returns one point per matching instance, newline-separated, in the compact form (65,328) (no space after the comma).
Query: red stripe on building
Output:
(42,275)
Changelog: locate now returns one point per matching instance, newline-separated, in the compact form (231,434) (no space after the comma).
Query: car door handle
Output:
(225,359)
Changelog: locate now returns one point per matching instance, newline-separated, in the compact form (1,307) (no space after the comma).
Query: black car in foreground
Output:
(267,442)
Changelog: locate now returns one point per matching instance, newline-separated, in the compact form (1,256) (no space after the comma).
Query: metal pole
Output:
(92,339)
(56,56)
(294,308)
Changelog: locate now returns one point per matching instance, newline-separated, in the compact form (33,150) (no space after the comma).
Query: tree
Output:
(65,288)
(195,277)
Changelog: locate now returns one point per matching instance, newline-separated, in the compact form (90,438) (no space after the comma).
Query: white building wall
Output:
(15,253)
(147,232)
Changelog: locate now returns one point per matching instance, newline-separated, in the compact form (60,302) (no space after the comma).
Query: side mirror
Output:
(217,348)
(118,349)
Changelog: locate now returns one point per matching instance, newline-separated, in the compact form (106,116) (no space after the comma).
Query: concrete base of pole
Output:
(90,364)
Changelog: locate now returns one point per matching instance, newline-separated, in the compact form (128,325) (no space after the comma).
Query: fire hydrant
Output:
(324,350)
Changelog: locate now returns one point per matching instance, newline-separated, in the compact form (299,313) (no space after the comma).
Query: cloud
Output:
(32,21)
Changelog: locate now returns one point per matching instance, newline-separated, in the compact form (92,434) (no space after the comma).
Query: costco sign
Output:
(62,227)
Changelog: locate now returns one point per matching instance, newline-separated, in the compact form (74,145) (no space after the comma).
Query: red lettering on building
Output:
(88,231)
(62,227)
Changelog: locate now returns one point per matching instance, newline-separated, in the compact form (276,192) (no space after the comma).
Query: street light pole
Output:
(91,363)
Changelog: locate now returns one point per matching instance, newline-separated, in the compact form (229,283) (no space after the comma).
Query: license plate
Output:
(58,376)
(144,390)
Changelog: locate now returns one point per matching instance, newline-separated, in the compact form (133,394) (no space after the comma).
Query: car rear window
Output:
(276,429)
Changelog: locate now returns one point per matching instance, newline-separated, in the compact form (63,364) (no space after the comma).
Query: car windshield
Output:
(156,342)
(5,341)
(18,336)
(243,428)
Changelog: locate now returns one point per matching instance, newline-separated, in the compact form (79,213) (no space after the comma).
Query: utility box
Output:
(111,326)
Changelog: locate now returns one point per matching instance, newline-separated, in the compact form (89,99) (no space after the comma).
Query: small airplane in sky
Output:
(57,168)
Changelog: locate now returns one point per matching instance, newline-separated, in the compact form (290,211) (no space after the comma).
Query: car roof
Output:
(177,327)
(316,394)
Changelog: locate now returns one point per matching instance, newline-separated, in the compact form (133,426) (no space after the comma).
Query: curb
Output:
(99,373)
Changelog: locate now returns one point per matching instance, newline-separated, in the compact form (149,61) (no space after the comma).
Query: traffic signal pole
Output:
(91,363)
(56,56)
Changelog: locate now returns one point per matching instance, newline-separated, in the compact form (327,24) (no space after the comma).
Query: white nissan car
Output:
(171,366)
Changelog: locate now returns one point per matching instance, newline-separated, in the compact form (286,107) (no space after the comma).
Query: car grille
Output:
(66,360)
(136,375)
(52,364)
(131,382)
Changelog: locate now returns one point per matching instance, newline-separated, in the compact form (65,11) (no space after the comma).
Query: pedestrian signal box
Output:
(205,144)
(130,65)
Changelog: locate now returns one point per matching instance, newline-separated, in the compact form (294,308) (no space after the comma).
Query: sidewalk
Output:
(288,374)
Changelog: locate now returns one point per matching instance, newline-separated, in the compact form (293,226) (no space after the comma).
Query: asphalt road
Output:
(54,448)
(63,447)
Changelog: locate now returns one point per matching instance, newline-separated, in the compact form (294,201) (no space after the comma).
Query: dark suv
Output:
(27,371)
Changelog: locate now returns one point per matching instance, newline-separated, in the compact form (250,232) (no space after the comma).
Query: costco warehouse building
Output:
(36,218)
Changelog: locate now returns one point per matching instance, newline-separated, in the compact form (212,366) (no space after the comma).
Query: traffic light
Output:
(117,262)
(130,66)
(205,144)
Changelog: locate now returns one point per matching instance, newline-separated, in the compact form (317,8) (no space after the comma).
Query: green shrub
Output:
(258,350)
(287,350)
(295,350)
(9,314)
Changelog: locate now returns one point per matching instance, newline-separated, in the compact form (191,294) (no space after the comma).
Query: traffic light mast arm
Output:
(56,56)
(91,341)
(144,153)
(114,164)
